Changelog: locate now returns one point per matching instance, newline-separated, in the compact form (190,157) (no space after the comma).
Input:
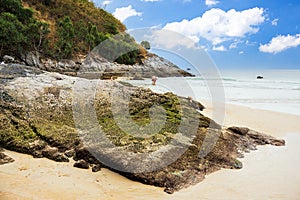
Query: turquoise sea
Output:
(279,90)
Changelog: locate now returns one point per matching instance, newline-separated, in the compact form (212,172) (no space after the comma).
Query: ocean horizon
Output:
(279,90)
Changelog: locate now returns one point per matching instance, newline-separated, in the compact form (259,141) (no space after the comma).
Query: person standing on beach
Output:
(154,79)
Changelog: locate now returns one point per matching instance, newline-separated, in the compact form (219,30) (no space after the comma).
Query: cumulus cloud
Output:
(280,43)
(169,39)
(219,48)
(211,2)
(125,12)
(218,26)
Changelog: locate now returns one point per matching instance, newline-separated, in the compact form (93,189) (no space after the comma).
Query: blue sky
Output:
(235,33)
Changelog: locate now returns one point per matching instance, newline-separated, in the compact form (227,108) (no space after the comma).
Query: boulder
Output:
(70,153)
(37,145)
(66,64)
(82,153)
(8,59)
(49,65)
(49,151)
(96,168)
(82,164)
(32,58)
(53,154)
(4,159)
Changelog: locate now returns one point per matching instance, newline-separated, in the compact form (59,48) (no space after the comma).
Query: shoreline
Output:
(28,177)
(272,122)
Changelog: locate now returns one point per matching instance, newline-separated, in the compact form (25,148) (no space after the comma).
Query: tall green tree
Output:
(66,35)
(12,38)
(37,32)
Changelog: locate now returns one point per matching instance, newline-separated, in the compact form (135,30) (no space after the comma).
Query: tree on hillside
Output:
(69,27)
(16,8)
(66,34)
(37,32)
(12,38)
(19,30)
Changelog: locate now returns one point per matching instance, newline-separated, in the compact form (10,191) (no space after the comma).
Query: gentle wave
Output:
(296,88)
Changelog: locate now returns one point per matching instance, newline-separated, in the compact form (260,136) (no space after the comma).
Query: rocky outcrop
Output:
(8,59)
(64,66)
(96,66)
(5,159)
(82,164)
(256,137)
(31,59)
(48,114)
(53,154)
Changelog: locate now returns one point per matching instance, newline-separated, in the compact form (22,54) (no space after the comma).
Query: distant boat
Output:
(259,77)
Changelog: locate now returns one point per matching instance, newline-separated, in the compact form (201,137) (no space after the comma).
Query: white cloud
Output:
(105,3)
(169,39)
(280,43)
(234,44)
(158,26)
(211,2)
(219,48)
(241,52)
(218,26)
(275,22)
(125,12)
(205,48)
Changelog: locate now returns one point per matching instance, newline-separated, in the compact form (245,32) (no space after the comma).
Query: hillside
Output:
(60,29)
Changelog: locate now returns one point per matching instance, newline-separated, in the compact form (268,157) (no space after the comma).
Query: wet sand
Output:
(268,173)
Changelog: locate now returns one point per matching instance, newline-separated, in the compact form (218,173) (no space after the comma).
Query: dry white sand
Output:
(269,173)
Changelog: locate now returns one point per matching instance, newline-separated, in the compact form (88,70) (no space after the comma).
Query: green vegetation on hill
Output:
(19,31)
(61,29)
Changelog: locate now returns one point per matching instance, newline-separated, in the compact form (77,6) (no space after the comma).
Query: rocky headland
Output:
(93,66)
(38,104)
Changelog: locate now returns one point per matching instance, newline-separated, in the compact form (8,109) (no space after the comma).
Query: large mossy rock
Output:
(38,117)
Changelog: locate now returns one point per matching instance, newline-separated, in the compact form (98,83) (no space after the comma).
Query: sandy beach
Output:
(268,173)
